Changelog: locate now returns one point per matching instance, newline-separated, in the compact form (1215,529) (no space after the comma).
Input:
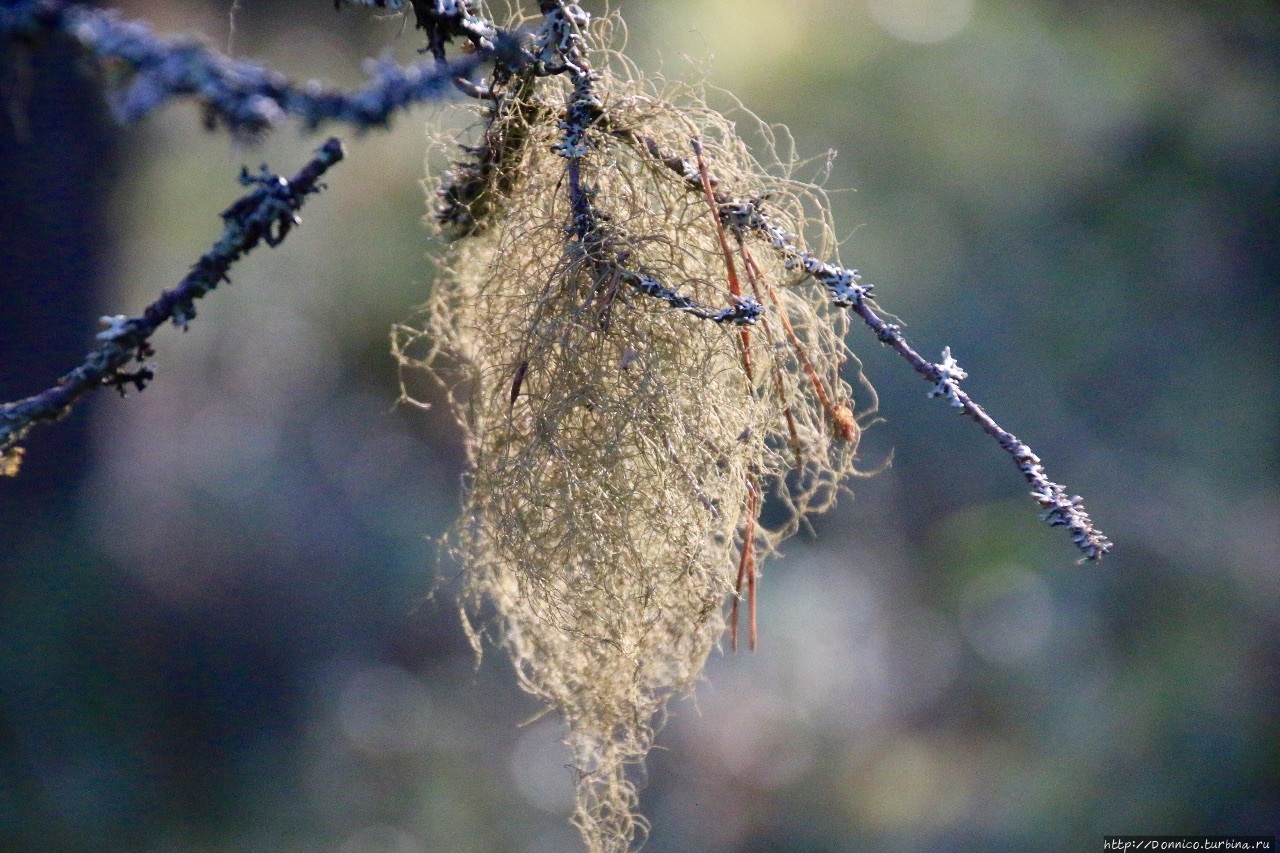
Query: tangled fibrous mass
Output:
(623,435)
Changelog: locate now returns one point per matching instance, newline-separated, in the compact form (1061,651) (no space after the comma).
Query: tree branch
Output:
(246,97)
(845,288)
(265,215)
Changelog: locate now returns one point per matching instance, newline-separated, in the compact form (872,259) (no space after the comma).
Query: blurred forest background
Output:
(214,626)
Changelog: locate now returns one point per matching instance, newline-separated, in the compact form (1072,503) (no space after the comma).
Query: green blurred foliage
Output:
(219,637)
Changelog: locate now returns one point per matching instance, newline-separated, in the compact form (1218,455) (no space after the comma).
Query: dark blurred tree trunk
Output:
(59,157)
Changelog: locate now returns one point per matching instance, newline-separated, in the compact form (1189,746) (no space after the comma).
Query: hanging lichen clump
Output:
(642,351)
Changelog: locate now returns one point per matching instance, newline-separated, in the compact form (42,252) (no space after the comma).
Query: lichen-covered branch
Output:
(747,217)
(468,189)
(560,48)
(245,97)
(265,215)
(442,20)
(845,288)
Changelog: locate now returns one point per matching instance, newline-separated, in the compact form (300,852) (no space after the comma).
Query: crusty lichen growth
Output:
(614,440)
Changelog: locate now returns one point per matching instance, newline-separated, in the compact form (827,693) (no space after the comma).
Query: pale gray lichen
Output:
(950,375)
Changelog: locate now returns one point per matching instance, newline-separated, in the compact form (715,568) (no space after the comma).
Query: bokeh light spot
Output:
(539,767)
(381,838)
(385,710)
(921,21)
(1008,619)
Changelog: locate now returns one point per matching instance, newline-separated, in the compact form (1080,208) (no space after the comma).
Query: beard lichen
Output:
(622,436)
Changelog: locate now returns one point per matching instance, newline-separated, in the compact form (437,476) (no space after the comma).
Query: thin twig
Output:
(265,215)
(846,289)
